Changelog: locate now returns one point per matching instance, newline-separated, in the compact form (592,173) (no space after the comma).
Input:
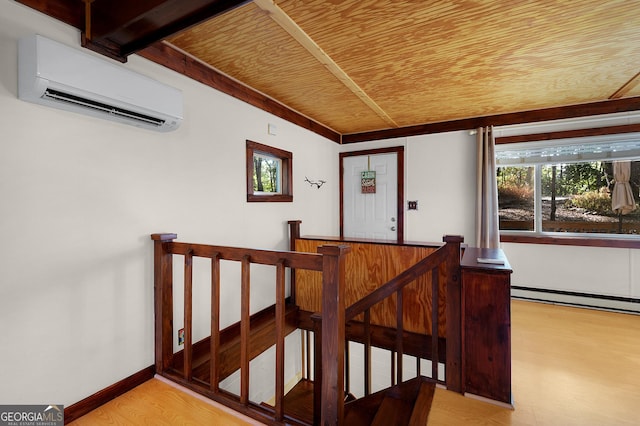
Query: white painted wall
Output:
(79,198)
(592,270)
(440,173)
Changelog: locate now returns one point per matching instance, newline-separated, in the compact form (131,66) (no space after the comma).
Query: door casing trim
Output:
(400,201)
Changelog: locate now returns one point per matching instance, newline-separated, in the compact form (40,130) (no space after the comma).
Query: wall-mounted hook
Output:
(316,183)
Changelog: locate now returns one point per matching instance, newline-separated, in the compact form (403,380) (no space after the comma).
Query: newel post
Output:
(294,234)
(333,332)
(454,367)
(163,299)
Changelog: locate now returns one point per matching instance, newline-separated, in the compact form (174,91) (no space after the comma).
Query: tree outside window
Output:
(266,176)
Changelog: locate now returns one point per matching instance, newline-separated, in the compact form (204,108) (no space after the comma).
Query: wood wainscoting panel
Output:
(369,266)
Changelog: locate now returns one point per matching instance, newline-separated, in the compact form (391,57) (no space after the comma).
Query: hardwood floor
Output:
(571,366)
(157,402)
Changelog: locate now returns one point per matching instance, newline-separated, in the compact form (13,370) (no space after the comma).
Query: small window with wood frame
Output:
(269,173)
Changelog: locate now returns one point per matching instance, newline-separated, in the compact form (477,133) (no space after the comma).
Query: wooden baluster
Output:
(347,379)
(435,305)
(244,330)
(308,345)
(280,334)
(399,332)
(214,363)
(317,368)
(188,316)
(393,368)
(303,354)
(294,234)
(367,352)
(163,300)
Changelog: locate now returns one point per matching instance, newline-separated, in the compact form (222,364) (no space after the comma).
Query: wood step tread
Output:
(407,403)
(393,411)
(422,405)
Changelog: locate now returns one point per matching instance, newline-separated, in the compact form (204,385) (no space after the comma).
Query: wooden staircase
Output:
(202,365)
(407,403)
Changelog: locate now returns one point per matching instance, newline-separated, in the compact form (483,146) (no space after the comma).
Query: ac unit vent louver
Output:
(99,106)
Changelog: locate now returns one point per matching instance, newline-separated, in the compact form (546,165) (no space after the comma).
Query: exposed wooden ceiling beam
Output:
(626,88)
(122,27)
(298,34)
(178,17)
(116,14)
(533,116)
(566,134)
(87,17)
(68,11)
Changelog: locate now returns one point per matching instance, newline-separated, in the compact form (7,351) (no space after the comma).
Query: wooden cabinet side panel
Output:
(487,334)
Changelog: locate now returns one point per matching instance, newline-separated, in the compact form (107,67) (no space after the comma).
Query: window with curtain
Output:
(568,186)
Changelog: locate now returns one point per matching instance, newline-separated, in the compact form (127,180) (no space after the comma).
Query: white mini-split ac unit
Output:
(54,74)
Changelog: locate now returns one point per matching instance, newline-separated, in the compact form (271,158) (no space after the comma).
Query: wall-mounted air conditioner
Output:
(53,74)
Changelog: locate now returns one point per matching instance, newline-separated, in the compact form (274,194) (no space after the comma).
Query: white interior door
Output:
(371,215)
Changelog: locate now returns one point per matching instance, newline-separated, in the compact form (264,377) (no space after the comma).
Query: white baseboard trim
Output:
(489,400)
(608,303)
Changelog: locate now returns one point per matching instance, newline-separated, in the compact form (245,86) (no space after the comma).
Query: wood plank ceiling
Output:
(361,69)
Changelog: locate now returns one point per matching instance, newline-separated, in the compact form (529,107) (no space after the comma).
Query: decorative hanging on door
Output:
(368,181)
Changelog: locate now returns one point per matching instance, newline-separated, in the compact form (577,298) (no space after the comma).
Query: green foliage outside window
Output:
(598,202)
(266,174)
(575,179)
(575,197)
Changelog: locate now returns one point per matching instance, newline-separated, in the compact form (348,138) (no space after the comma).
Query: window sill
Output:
(572,241)
(284,198)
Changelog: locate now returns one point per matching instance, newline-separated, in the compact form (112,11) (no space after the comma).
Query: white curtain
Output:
(622,201)
(487,233)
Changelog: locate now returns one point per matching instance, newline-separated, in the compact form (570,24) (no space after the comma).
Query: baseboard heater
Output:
(584,300)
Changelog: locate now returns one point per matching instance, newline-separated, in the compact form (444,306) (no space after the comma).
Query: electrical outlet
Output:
(181,337)
(412,205)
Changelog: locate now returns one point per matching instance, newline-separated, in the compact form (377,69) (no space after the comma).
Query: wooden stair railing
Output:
(447,256)
(330,325)
(330,334)
(329,261)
